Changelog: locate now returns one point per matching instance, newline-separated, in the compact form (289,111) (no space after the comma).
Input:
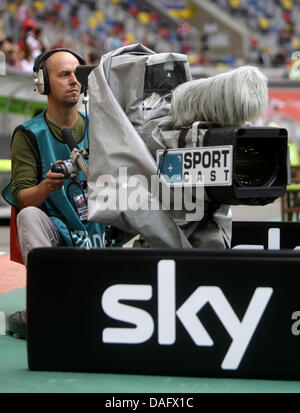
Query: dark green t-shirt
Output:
(26,160)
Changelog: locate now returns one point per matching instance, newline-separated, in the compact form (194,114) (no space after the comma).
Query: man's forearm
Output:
(36,195)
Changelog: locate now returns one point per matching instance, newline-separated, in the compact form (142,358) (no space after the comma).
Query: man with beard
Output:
(52,210)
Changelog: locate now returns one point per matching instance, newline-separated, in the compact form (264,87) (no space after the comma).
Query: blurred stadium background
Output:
(216,35)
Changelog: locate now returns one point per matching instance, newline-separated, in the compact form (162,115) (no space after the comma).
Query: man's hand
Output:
(54,181)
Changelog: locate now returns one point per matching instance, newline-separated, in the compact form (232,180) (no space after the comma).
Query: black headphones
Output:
(40,72)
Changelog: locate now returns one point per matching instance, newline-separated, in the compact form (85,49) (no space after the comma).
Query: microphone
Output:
(77,154)
(69,139)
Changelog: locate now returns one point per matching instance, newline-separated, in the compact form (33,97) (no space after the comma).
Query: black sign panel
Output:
(266,235)
(165,312)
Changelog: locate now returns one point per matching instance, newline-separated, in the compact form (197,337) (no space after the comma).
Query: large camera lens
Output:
(255,162)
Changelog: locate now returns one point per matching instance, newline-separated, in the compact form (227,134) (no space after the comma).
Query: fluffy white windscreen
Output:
(231,98)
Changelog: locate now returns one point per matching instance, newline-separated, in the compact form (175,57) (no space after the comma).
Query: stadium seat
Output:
(15,250)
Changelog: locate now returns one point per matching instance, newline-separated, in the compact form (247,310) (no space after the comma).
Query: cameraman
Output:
(48,215)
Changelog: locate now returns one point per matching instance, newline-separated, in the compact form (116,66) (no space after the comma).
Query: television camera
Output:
(139,120)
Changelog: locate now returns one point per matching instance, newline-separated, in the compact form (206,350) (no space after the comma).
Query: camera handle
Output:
(78,158)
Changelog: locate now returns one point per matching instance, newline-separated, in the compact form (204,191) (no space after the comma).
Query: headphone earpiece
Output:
(40,73)
(41,81)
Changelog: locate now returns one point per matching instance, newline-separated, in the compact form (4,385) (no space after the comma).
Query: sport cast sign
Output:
(199,166)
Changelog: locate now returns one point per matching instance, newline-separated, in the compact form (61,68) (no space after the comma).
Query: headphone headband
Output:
(40,59)
(40,73)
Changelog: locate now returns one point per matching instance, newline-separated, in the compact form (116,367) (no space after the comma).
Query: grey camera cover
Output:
(123,142)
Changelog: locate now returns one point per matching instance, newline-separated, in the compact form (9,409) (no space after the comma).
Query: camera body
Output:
(66,168)
(72,166)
